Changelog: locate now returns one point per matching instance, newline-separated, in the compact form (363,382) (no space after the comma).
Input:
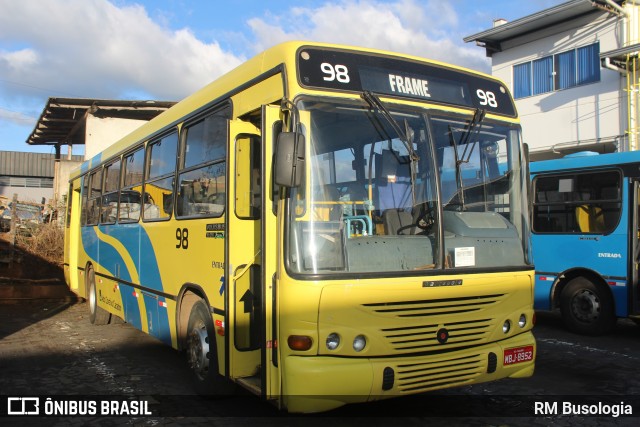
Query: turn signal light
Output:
(299,342)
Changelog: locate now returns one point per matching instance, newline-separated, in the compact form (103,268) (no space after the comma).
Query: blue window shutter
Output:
(589,64)
(543,75)
(522,80)
(565,69)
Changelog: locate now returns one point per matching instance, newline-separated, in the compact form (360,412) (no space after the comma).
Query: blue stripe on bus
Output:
(138,246)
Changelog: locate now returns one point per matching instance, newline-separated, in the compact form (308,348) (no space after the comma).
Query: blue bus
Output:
(586,238)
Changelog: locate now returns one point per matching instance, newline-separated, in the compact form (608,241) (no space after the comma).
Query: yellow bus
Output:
(321,225)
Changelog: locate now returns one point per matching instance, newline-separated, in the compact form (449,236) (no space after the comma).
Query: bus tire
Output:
(586,308)
(202,353)
(97,315)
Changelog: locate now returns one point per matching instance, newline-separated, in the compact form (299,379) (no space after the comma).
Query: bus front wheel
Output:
(201,352)
(97,314)
(586,308)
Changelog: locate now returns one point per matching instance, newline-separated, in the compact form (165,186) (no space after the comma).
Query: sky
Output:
(166,49)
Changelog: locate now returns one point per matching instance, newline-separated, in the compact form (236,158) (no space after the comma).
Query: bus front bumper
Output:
(322,383)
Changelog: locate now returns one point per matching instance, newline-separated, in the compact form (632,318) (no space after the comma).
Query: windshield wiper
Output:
(474,124)
(403,134)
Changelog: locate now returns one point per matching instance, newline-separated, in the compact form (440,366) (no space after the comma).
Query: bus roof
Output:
(587,161)
(281,55)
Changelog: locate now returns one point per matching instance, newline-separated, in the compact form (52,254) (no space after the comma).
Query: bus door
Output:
(634,235)
(244,248)
(72,237)
(271,127)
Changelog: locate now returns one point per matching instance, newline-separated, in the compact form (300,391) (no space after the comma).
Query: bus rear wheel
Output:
(586,308)
(202,353)
(97,315)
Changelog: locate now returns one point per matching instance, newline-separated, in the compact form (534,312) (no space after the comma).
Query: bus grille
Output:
(422,320)
(425,376)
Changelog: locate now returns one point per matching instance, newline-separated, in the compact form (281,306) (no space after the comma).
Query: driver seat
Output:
(398,222)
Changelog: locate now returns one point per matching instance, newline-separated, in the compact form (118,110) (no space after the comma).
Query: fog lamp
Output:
(359,343)
(333,341)
(506,326)
(522,322)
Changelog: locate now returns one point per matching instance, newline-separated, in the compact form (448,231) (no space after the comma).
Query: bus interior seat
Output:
(326,204)
(393,183)
(590,219)
(397,222)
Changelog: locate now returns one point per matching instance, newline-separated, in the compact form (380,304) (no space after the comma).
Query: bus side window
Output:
(201,179)
(130,195)
(160,172)
(95,192)
(109,209)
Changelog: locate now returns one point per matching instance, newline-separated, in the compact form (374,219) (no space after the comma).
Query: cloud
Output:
(427,29)
(115,49)
(17,118)
(92,48)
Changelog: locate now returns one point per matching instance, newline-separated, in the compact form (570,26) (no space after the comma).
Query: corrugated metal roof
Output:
(18,163)
(63,119)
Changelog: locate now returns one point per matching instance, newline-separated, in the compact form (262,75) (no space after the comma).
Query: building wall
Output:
(27,194)
(579,116)
(29,175)
(103,132)
(61,183)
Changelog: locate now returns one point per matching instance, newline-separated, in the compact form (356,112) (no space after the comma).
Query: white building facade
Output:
(572,70)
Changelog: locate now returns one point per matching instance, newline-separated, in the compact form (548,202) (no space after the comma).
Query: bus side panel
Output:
(114,252)
(155,273)
(604,254)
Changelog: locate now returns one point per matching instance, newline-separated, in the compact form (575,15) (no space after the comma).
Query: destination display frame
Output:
(335,69)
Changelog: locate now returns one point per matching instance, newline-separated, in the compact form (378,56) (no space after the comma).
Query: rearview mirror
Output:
(289,159)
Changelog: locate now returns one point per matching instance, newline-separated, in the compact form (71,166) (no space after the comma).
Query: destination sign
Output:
(349,71)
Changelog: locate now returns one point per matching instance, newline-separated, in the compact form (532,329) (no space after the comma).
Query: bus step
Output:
(253,384)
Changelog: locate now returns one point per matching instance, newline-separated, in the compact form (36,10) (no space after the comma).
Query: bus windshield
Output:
(406,189)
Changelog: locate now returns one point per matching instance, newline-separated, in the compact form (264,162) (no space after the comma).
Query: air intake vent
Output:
(492,363)
(388,377)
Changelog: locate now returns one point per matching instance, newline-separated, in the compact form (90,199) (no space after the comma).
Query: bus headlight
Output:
(359,343)
(333,341)
(522,322)
(506,326)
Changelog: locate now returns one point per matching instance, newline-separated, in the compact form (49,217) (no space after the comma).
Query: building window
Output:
(543,75)
(565,64)
(589,64)
(522,80)
(556,72)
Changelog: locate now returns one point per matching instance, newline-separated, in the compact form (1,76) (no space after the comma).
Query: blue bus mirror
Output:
(289,159)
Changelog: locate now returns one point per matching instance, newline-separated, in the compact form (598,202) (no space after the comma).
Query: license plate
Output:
(518,355)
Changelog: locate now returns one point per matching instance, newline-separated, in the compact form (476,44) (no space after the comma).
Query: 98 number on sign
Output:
(182,236)
(339,73)
(487,98)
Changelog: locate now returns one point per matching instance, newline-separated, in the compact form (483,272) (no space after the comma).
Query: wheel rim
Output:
(92,292)
(585,305)
(199,350)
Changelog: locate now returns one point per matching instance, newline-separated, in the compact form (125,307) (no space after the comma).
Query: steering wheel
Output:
(424,216)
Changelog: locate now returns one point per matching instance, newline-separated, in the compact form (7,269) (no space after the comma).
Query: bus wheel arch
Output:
(586,303)
(188,296)
(97,314)
(197,335)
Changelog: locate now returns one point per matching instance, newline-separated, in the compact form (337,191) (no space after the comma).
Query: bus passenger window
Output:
(202,177)
(130,199)
(93,202)
(158,187)
(109,209)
